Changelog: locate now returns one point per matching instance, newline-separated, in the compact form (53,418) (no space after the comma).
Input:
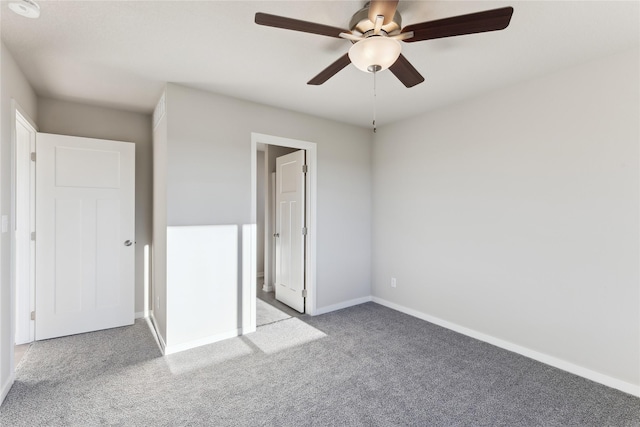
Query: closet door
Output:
(85,208)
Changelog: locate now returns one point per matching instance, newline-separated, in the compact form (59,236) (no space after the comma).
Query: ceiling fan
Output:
(375,31)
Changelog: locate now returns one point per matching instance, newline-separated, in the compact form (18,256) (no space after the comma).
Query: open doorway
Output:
(268,237)
(265,150)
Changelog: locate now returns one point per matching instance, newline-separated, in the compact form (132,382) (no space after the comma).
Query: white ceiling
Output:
(120,53)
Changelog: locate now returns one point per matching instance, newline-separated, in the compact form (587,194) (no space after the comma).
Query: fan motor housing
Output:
(360,22)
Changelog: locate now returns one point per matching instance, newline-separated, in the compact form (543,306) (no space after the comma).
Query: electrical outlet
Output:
(393,282)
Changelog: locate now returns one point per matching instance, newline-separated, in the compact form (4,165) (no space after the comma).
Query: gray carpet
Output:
(363,366)
(266,313)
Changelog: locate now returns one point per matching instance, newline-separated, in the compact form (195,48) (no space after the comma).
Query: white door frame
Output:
(16,111)
(249,295)
(26,290)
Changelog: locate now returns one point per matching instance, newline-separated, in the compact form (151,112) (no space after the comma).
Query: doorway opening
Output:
(265,150)
(268,237)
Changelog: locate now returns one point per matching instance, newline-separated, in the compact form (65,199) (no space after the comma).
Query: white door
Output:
(290,231)
(85,207)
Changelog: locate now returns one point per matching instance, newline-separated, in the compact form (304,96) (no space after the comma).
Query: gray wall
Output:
(209,180)
(70,118)
(516,215)
(13,86)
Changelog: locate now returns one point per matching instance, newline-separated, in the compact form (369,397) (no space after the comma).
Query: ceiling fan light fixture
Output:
(375,53)
(26,8)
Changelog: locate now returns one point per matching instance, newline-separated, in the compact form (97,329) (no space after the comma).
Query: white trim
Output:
(166,350)
(23,113)
(139,315)
(267,287)
(312,194)
(341,305)
(9,352)
(21,317)
(7,386)
(524,351)
(202,341)
(153,325)
(260,274)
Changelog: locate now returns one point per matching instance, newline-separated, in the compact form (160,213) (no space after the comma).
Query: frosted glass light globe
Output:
(375,53)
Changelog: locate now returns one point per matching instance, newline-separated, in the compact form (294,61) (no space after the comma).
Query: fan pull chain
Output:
(374,101)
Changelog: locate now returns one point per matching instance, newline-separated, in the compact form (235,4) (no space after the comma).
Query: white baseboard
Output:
(341,305)
(7,385)
(166,350)
(139,315)
(532,354)
(153,325)
(260,275)
(202,341)
(267,288)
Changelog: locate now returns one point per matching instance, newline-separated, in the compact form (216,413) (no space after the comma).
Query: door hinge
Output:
(33,315)
(33,235)
(305,169)
(304,293)
(304,231)
(33,157)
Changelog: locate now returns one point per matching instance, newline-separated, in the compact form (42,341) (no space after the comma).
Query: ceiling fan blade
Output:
(298,25)
(386,8)
(480,22)
(405,72)
(330,71)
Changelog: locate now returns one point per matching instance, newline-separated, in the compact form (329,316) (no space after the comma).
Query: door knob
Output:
(128,243)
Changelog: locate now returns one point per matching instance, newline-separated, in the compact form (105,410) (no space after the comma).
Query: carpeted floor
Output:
(363,366)
(265,313)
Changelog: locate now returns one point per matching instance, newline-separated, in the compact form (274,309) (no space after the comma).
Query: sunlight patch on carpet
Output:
(285,334)
(207,355)
(266,313)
